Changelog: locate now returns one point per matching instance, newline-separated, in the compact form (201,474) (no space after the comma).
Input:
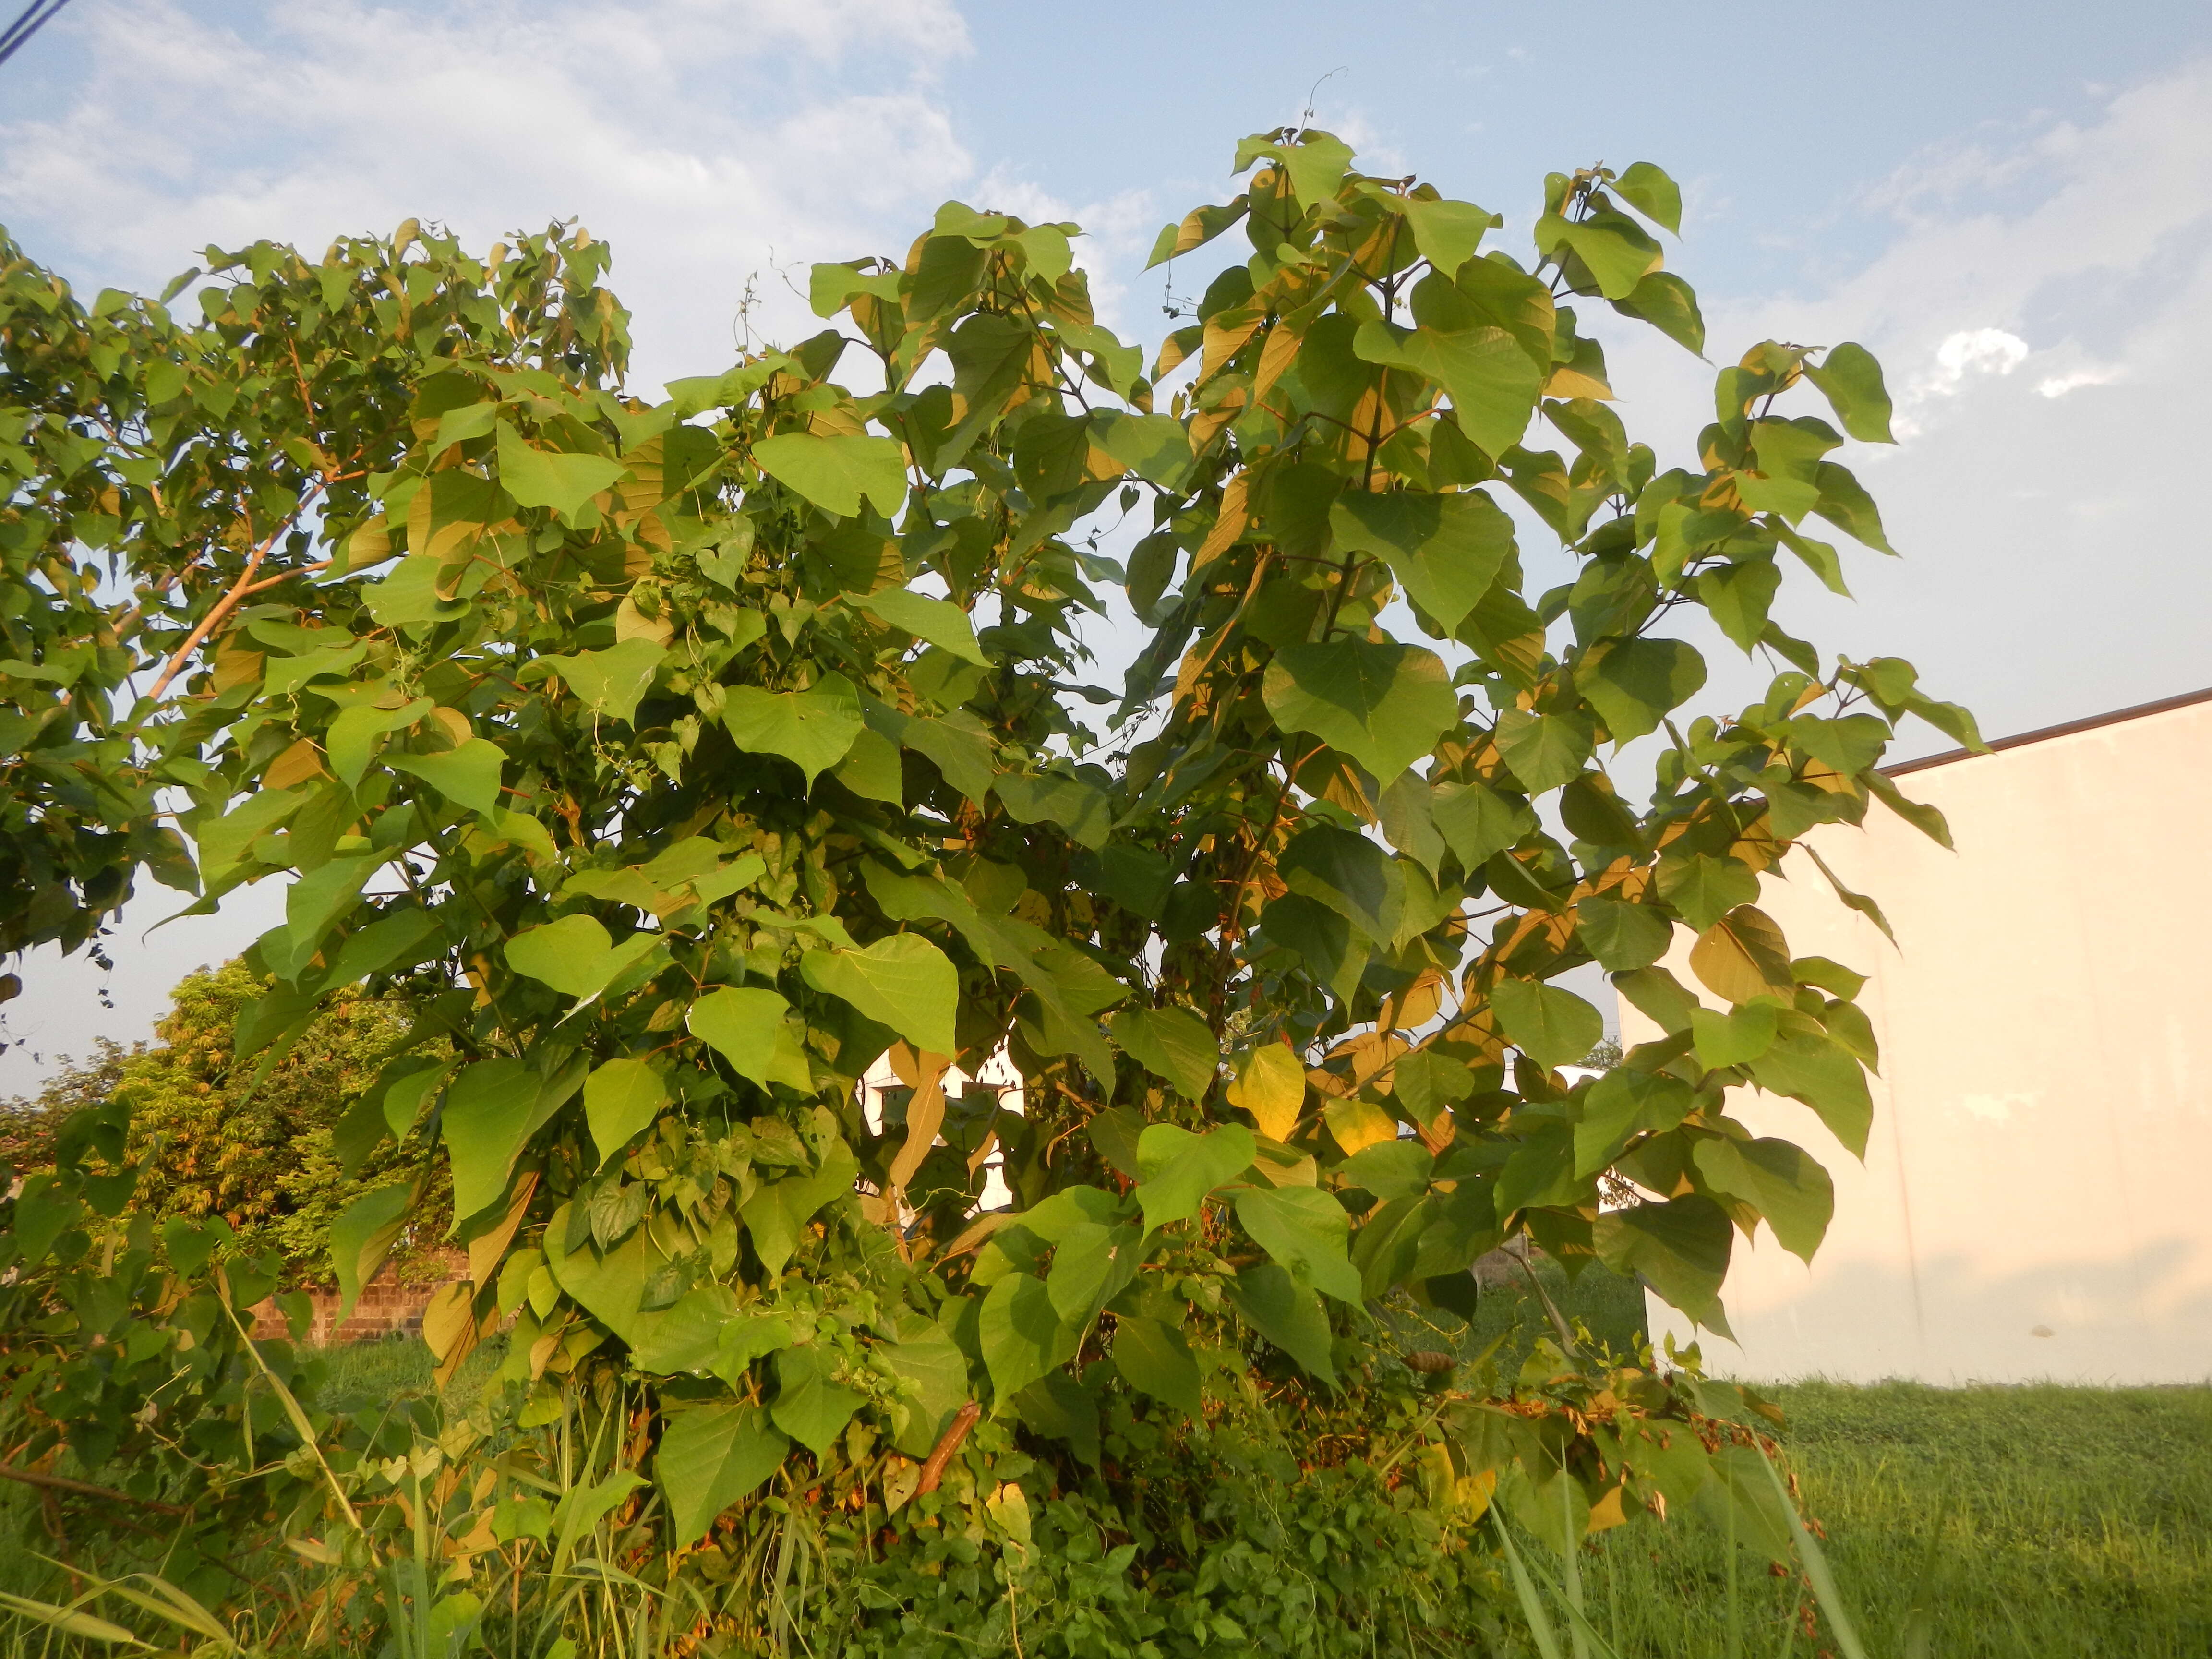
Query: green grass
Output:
(2023,1522)
(2032,1523)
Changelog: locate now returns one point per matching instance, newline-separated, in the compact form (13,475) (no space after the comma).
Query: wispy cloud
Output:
(705,138)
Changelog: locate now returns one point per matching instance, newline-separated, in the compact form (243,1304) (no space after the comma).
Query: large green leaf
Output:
(1680,1248)
(1476,821)
(710,1457)
(350,743)
(1154,447)
(1818,1070)
(541,478)
(1622,936)
(1173,1043)
(836,473)
(312,905)
(1544,750)
(1351,875)
(1334,953)
(1635,683)
(1447,233)
(1704,888)
(1154,1359)
(1178,1169)
(813,729)
(490,1109)
(810,1405)
(933,1367)
(688,1337)
(902,981)
(1733,1038)
(777,1213)
(1383,705)
(1791,1190)
(741,1023)
(1493,386)
(1078,807)
(1668,303)
(1621,1105)
(1552,1027)
(1445,550)
(1651,192)
(608,1284)
(467,775)
(577,956)
(621,1099)
(1306,1231)
(1289,1315)
(1742,956)
(1021,1335)
(611,681)
(937,621)
(1852,381)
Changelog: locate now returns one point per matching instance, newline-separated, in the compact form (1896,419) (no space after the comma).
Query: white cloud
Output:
(694,135)
(2057,386)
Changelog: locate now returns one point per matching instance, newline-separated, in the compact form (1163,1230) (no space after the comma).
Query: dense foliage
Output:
(679,763)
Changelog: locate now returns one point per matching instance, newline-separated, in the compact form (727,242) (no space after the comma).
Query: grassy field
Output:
(2030,1522)
(2018,1522)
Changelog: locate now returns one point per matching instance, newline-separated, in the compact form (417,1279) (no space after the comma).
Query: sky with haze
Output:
(2011,205)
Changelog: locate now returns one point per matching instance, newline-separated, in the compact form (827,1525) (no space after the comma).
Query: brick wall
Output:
(385,1307)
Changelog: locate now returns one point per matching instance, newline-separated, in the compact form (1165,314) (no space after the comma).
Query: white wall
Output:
(2037,1197)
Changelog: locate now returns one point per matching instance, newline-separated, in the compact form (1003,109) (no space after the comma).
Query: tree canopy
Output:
(680,761)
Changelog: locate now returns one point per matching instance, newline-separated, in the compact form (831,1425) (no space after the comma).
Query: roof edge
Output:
(2088,723)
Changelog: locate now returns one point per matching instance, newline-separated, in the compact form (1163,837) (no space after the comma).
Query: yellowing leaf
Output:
(1271,1087)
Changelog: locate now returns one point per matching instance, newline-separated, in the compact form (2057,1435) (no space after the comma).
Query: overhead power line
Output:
(32,18)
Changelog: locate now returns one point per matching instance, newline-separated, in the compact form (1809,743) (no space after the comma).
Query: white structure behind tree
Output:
(2034,1199)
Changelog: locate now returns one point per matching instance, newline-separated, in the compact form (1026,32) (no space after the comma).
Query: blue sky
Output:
(2011,205)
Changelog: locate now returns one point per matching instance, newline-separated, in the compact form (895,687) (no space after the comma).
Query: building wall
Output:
(2036,1200)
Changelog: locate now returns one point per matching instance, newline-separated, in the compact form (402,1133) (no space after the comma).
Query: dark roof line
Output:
(2067,729)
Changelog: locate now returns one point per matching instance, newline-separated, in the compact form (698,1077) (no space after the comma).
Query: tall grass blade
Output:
(1825,1588)
(1571,1567)
(1532,1605)
(75,1621)
(1918,1637)
(1735,1630)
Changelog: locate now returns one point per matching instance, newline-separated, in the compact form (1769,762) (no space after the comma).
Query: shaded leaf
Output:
(710,1457)
(1680,1248)
(1384,705)
(1552,1027)
(1173,1043)
(813,729)
(902,981)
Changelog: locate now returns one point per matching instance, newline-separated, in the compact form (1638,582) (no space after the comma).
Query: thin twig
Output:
(224,606)
(83,1489)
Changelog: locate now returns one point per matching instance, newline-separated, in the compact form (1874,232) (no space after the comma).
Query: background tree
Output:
(681,760)
(262,1151)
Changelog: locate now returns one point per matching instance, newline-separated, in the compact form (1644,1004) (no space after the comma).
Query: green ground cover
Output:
(2025,1522)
